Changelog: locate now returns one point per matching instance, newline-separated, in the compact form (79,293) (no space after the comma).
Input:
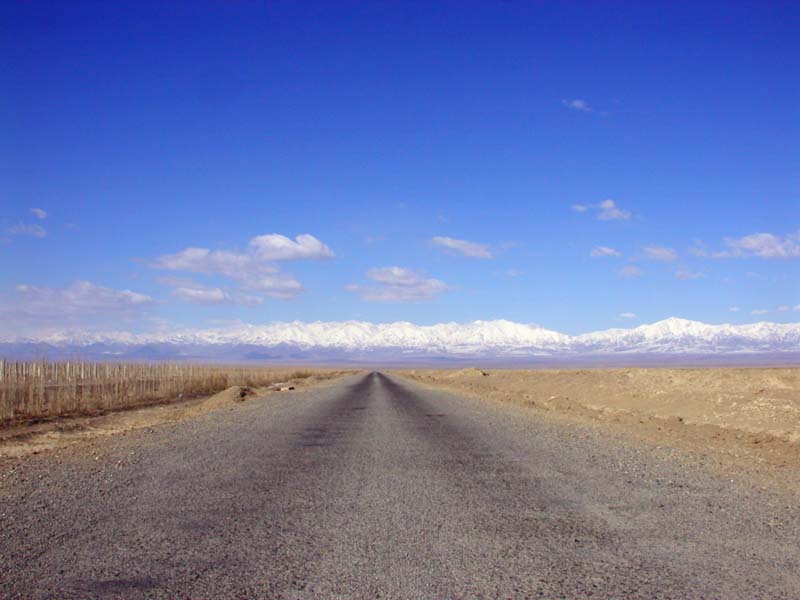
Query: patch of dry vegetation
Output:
(758,401)
(738,421)
(31,391)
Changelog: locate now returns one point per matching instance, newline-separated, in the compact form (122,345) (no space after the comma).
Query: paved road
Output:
(378,488)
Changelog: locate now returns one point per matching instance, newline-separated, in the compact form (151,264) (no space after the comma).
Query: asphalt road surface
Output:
(379,488)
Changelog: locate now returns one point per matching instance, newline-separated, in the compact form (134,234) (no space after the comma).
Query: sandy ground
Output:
(380,488)
(745,418)
(27,439)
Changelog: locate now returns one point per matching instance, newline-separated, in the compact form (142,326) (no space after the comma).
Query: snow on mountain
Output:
(683,336)
(479,339)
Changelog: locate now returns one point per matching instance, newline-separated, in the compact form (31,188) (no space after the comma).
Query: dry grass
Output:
(37,390)
(754,400)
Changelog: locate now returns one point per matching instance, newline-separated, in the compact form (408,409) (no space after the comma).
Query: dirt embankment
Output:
(32,438)
(753,411)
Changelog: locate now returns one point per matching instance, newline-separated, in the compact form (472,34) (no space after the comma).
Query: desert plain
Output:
(634,483)
(745,419)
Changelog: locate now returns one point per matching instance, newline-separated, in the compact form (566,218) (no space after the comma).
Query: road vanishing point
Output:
(375,487)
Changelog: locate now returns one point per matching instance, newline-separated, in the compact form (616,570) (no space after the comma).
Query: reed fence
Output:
(33,390)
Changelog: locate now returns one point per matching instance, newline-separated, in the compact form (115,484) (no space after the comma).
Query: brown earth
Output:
(27,439)
(741,418)
(375,487)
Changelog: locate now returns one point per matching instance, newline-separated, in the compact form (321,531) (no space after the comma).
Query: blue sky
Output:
(450,161)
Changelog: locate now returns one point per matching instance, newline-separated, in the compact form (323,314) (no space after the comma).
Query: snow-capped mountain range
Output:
(356,340)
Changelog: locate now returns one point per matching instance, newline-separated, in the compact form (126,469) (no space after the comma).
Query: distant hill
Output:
(671,340)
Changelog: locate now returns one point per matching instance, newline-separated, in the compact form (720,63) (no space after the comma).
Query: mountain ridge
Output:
(496,338)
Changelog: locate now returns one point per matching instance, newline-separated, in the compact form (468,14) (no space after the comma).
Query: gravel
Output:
(377,488)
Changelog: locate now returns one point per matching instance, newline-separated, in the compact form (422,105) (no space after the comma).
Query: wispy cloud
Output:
(630,272)
(734,309)
(201,295)
(686,274)
(79,299)
(578,104)
(660,253)
(276,247)
(31,310)
(759,311)
(223,262)
(214,296)
(278,285)
(187,290)
(254,269)
(31,229)
(761,245)
(603,251)
(39,213)
(786,307)
(609,211)
(627,315)
(397,284)
(463,247)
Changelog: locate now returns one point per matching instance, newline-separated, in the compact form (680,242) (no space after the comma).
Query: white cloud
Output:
(578,104)
(609,211)
(686,274)
(201,295)
(734,309)
(397,284)
(761,245)
(759,311)
(79,299)
(223,262)
(660,253)
(630,272)
(394,276)
(279,247)
(39,213)
(197,293)
(796,307)
(82,306)
(258,279)
(627,315)
(277,286)
(252,269)
(784,308)
(463,247)
(27,229)
(602,251)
